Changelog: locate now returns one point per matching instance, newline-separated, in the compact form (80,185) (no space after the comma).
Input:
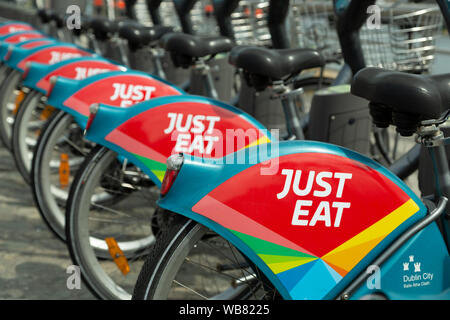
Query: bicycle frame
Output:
(222,11)
(444,5)
(314,239)
(183,9)
(153,9)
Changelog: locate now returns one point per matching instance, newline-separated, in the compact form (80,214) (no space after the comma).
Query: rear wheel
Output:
(9,100)
(29,120)
(59,152)
(108,223)
(190,261)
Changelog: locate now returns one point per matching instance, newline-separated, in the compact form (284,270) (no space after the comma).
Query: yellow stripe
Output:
(261,140)
(346,257)
(283,266)
(159,174)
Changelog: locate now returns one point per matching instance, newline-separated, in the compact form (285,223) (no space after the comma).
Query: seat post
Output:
(157,55)
(433,139)
(123,52)
(93,42)
(201,72)
(288,99)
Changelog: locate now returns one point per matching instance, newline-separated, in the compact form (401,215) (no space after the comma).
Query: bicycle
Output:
(14,26)
(319,245)
(49,198)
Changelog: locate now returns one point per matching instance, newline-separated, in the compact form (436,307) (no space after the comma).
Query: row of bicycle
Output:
(236,218)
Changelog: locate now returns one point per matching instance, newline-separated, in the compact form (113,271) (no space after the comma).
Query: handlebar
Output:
(444,5)
(350,18)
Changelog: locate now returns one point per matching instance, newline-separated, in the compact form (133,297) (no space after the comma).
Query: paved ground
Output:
(33,261)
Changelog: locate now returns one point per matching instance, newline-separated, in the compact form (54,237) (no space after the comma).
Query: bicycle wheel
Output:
(8,100)
(108,223)
(29,120)
(4,71)
(59,152)
(191,262)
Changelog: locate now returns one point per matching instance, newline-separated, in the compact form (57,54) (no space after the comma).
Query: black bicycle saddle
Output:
(103,28)
(275,63)
(85,24)
(139,36)
(185,49)
(264,66)
(58,19)
(402,99)
(45,15)
(196,46)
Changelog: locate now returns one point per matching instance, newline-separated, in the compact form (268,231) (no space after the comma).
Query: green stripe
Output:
(269,258)
(151,164)
(158,168)
(262,247)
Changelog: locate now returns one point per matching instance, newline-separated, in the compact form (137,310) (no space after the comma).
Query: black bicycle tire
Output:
(160,254)
(89,166)
(15,147)
(91,159)
(4,136)
(45,136)
(156,262)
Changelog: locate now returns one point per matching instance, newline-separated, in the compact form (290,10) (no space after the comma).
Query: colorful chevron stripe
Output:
(258,142)
(346,256)
(151,158)
(301,272)
(157,168)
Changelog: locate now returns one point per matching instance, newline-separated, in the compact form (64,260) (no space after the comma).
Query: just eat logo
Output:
(319,185)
